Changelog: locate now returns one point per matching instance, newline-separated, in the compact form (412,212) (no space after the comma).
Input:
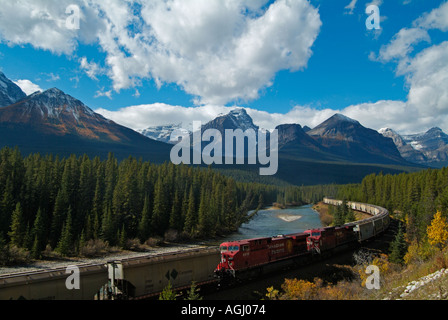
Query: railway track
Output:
(147,276)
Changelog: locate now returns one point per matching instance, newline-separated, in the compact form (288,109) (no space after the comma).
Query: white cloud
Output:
(218,51)
(403,44)
(103,93)
(92,69)
(436,19)
(27,86)
(351,6)
(42,24)
(143,116)
(426,74)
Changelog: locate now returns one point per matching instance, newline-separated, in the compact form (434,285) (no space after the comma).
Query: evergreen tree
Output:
(191,218)
(109,231)
(176,213)
(160,211)
(398,247)
(17,232)
(205,226)
(39,236)
(65,245)
(144,227)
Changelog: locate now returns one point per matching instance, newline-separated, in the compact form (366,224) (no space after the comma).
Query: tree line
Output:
(63,203)
(413,198)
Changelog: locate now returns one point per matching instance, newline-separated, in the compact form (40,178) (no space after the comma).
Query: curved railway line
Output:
(145,277)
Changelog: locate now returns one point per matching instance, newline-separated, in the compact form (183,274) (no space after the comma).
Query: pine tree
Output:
(123,238)
(160,211)
(205,226)
(176,213)
(108,232)
(144,227)
(191,218)
(59,215)
(39,236)
(65,244)
(398,247)
(6,207)
(17,232)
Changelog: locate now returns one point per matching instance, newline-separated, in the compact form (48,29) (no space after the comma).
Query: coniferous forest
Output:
(48,202)
(412,198)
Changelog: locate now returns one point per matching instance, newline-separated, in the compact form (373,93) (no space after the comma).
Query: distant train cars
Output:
(251,257)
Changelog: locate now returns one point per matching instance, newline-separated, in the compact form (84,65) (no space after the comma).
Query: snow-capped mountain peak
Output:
(9,92)
(53,102)
(162,133)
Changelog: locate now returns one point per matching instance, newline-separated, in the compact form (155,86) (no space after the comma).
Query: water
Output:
(273,222)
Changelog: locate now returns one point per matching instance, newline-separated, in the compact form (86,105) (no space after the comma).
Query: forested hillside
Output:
(63,203)
(413,198)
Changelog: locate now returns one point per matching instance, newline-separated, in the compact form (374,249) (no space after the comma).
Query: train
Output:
(248,258)
(146,276)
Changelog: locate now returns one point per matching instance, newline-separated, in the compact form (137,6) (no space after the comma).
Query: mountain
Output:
(55,122)
(340,150)
(235,119)
(161,133)
(349,140)
(9,91)
(406,150)
(293,141)
(433,144)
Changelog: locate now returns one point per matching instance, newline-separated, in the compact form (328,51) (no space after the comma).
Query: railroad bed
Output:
(146,276)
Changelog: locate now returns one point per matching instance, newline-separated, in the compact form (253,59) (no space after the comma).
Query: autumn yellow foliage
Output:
(380,261)
(438,231)
(294,289)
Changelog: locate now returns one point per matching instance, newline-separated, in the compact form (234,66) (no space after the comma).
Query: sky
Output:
(157,62)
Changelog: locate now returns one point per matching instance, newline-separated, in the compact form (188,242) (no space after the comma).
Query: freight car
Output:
(246,258)
(145,277)
(51,284)
(132,278)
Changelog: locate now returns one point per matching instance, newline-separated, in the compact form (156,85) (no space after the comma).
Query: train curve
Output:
(250,258)
(147,276)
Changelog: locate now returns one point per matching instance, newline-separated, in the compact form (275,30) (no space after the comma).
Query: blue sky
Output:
(140,64)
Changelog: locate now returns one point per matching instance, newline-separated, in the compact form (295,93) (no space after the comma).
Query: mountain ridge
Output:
(55,121)
(9,91)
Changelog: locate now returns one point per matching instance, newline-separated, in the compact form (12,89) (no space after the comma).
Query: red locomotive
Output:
(251,257)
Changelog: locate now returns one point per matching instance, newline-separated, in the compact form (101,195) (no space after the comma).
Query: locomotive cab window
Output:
(223,248)
(315,233)
(234,248)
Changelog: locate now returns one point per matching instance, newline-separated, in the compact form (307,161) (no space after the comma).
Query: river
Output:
(273,222)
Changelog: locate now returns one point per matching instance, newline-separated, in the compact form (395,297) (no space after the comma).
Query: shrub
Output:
(94,248)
